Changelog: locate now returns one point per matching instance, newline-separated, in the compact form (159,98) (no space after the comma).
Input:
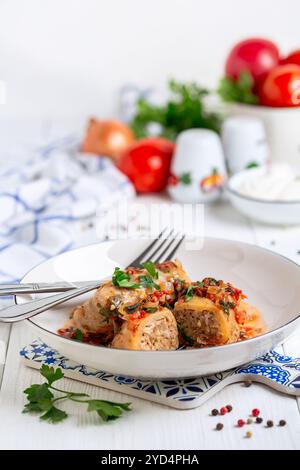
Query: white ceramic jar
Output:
(282,129)
(198,170)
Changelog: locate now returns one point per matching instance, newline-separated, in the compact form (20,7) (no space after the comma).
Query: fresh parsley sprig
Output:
(190,290)
(122,279)
(239,91)
(148,282)
(41,399)
(150,267)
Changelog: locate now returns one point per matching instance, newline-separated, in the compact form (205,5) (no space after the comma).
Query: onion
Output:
(107,138)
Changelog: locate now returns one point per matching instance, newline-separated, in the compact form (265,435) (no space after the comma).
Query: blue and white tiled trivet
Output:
(279,372)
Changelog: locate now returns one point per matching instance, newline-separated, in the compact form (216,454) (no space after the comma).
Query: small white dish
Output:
(270,281)
(273,212)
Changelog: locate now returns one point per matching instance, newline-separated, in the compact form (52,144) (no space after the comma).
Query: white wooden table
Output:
(152,426)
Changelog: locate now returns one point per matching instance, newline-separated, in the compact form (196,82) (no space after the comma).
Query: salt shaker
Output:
(198,169)
(244,142)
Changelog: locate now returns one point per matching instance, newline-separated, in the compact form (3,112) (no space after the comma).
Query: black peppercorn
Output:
(214,412)
(219,426)
(247,383)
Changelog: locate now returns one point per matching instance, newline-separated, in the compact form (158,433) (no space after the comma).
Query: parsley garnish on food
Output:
(187,339)
(150,267)
(226,306)
(240,90)
(122,279)
(148,282)
(40,399)
(150,309)
(190,290)
(78,335)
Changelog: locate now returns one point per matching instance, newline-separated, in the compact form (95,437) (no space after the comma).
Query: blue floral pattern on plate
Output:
(280,372)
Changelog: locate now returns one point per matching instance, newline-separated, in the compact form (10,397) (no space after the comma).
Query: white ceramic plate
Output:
(268,212)
(271,282)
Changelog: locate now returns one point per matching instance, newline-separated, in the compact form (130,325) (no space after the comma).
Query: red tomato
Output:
(147,164)
(281,88)
(257,56)
(292,58)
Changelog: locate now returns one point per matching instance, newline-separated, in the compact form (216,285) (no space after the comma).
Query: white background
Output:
(68,58)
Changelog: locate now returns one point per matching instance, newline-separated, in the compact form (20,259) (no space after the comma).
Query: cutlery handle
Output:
(42,287)
(30,309)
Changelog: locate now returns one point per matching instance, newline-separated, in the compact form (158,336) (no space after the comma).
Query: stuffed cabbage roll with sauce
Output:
(206,313)
(148,331)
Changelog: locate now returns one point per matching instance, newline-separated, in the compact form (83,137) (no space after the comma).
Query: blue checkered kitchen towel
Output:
(47,203)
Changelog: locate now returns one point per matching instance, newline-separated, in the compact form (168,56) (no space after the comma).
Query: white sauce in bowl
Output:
(277,182)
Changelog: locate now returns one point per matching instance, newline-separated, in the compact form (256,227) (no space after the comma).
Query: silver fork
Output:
(159,250)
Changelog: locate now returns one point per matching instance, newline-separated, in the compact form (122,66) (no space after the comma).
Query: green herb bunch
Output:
(185,109)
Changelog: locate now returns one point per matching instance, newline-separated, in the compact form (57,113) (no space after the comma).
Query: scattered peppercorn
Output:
(219,426)
(249,421)
(282,422)
(247,383)
(241,423)
(270,423)
(229,408)
(259,420)
(223,410)
(255,412)
(248,434)
(214,412)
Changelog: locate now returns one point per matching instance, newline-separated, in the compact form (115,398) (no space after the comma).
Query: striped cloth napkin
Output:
(48,203)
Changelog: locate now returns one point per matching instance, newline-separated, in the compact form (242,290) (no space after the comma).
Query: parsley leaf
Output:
(150,267)
(122,279)
(240,90)
(51,374)
(54,415)
(190,290)
(38,392)
(150,309)
(187,339)
(78,335)
(189,293)
(148,283)
(107,410)
(226,306)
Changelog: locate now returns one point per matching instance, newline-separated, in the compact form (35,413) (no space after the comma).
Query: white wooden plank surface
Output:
(4,338)
(151,426)
(148,426)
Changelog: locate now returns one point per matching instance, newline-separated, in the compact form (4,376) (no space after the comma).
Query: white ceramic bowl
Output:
(267,212)
(271,282)
(282,128)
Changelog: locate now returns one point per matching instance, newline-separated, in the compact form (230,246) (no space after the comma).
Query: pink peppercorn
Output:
(223,410)
(255,412)
(241,423)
